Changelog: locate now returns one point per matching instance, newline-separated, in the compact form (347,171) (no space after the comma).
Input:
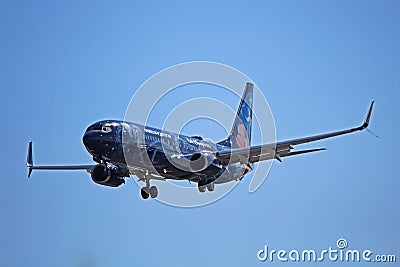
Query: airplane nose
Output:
(88,139)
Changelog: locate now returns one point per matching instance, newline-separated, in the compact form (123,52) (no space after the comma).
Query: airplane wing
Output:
(31,167)
(283,148)
(138,171)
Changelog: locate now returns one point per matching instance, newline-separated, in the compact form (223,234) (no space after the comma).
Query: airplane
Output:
(121,149)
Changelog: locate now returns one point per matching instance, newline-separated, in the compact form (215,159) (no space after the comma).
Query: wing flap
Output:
(293,153)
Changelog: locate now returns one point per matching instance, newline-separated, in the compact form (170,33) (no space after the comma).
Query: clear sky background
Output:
(67,64)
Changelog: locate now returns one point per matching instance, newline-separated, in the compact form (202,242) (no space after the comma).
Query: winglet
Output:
(29,159)
(366,121)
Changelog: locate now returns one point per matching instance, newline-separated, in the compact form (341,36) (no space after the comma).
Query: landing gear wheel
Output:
(153,191)
(202,189)
(144,194)
(201,186)
(210,187)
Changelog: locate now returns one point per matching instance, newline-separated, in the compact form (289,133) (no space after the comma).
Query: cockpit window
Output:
(95,127)
(106,129)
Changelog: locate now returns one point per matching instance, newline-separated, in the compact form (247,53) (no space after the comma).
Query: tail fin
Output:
(240,135)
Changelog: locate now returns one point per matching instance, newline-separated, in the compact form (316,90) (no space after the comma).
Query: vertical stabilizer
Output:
(240,135)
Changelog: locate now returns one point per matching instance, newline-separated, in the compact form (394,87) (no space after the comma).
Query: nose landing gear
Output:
(148,190)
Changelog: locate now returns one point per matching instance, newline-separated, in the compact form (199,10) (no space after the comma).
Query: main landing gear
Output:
(203,186)
(148,190)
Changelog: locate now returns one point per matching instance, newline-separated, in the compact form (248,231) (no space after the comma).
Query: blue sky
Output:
(67,64)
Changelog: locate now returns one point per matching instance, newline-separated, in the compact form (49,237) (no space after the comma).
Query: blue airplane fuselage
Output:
(134,145)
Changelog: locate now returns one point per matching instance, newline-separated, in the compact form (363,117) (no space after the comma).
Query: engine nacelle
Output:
(108,175)
(204,162)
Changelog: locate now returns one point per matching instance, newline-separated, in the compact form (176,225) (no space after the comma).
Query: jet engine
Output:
(204,162)
(108,175)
